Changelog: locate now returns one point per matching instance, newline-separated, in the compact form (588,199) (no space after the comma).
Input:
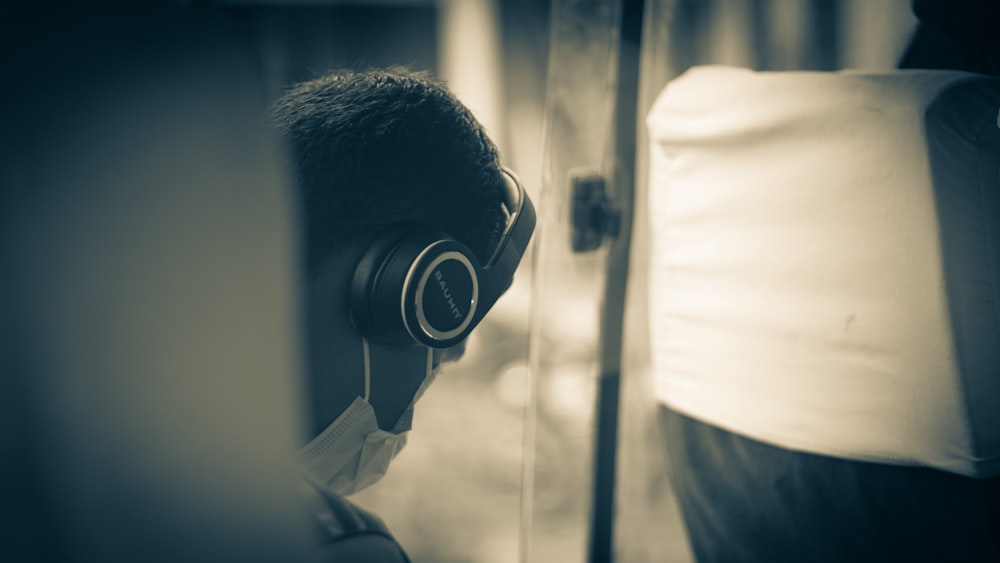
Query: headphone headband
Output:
(517,205)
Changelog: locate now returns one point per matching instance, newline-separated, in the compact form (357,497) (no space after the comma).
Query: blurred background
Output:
(498,467)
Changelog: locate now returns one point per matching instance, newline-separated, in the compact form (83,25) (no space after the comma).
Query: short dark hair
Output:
(374,148)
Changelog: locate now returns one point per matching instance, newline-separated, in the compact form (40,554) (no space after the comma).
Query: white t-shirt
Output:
(825,269)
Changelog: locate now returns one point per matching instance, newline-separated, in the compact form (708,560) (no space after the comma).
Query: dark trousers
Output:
(743,500)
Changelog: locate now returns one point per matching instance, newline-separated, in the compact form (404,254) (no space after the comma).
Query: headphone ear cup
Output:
(377,284)
(415,286)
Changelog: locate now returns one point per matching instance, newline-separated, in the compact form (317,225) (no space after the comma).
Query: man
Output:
(412,231)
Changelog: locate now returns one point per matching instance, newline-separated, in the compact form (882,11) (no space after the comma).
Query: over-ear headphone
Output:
(416,285)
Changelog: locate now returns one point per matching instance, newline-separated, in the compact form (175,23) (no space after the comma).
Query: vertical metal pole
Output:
(601,547)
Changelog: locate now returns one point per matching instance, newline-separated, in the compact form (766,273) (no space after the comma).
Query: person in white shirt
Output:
(824,305)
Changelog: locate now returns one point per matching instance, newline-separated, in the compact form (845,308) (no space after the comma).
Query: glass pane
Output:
(568,287)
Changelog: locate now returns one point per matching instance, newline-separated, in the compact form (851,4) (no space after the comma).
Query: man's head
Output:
(374,150)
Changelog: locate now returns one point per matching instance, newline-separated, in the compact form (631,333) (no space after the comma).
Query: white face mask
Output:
(353,453)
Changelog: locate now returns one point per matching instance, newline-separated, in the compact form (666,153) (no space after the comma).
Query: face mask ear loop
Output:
(368,368)
(430,363)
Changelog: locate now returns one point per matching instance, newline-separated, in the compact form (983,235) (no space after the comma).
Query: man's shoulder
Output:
(362,548)
(351,533)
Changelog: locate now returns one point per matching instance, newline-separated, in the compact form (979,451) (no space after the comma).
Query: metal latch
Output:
(592,213)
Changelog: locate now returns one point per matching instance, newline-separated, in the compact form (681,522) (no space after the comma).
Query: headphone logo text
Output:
(447,294)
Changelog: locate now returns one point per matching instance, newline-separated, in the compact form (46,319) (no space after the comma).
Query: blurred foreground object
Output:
(149,294)
(825,279)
